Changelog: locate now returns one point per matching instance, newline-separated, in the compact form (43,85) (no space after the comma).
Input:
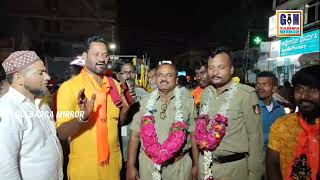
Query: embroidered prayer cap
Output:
(19,60)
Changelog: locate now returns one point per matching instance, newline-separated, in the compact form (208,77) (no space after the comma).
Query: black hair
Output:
(269,74)
(2,76)
(221,50)
(9,78)
(127,61)
(308,76)
(118,64)
(172,65)
(94,38)
(287,84)
(72,70)
(201,62)
(182,81)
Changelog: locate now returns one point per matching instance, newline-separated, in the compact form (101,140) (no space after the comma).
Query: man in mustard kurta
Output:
(94,143)
(293,149)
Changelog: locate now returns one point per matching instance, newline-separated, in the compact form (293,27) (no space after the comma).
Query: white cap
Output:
(165,62)
(78,61)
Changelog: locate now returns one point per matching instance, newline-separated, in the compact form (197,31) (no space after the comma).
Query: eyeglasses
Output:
(161,76)
(127,73)
(163,114)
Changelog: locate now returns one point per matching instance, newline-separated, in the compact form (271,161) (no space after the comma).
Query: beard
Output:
(100,68)
(97,69)
(310,112)
(38,92)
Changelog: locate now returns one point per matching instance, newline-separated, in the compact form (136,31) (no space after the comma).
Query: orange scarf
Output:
(308,144)
(100,115)
(197,95)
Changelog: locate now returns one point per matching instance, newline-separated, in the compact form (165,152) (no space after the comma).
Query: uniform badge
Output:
(256,108)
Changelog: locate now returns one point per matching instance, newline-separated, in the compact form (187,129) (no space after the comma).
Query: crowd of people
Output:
(102,126)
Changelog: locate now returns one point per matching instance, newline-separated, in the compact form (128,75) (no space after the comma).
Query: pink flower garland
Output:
(157,152)
(210,140)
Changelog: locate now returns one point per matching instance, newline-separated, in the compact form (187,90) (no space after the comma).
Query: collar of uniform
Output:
(19,97)
(158,97)
(226,88)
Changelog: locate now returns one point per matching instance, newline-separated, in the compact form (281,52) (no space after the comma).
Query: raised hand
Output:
(86,105)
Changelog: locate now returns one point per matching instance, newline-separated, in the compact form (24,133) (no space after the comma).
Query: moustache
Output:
(164,82)
(306,101)
(216,77)
(101,63)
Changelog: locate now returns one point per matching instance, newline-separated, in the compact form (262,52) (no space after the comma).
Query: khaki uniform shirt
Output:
(163,126)
(244,132)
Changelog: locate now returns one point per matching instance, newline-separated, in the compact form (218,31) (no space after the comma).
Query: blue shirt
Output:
(268,118)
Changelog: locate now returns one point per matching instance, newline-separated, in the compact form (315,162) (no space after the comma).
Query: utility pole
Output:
(246,56)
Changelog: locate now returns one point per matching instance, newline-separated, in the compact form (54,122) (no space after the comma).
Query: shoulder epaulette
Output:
(246,88)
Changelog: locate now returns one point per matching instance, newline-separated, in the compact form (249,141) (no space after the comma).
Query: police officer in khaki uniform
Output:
(240,154)
(181,166)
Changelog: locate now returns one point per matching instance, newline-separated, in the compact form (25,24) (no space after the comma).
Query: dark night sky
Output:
(166,28)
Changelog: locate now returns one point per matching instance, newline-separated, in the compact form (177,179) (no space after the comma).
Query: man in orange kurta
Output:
(93,128)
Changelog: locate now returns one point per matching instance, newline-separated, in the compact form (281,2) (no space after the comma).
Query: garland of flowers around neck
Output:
(206,140)
(161,153)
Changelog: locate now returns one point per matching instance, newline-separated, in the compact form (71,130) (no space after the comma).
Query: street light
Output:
(113,48)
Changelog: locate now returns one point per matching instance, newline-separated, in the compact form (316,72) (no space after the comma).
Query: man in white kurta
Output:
(29,147)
